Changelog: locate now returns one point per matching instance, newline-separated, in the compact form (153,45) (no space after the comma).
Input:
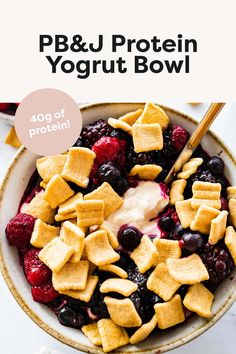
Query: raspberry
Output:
(93,132)
(19,230)
(36,271)
(108,149)
(44,293)
(4,106)
(179,137)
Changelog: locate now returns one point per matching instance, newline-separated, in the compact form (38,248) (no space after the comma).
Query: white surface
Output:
(19,335)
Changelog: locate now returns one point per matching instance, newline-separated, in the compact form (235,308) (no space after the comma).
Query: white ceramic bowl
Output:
(13,186)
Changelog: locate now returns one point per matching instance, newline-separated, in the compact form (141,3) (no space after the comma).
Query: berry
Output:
(19,230)
(97,304)
(4,106)
(109,173)
(142,158)
(125,261)
(70,318)
(36,271)
(215,165)
(132,181)
(121,135)
(44,293)
(177,233)
(121,186)
(224,204)
(206,176)
(129,237)
(218,262)
(192,241)
(179,137)
(78,143)
(135,276)
(93,132)
(166,223)
(107,149)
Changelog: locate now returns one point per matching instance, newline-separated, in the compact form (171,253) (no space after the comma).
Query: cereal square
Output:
(112,336)
(170,313)
(90,212)
(73,236)
(144,331)
(131,117)
(177,191)
(202,219)
(206,193)
(55,254)
(153,114)
(230,241)
(232,211)
(50,166)
(123,312)
(57,191)
(86,294)
(119,124)
(147,137)
(43,234)
(218,227)
(166,249)
(78,166)
(199,299)
(145,255)
(72,276)
(69,205)
(190,167)
(91,331)
(185,212)
(147,172)
(40,208)
(112,201)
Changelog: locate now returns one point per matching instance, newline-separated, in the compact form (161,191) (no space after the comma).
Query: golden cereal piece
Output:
(185,212)
(90,212)
(161,283)
(218,227)
(40,209)
(169,313)
(57,191)
(99,250)
(50,166)
(206,193)
(55,254)
(111,237)
(199,299)
(69,206)
(230,241)
(43,184)
(190,167)
(232,211)
(187,270)
(177,191)
(72,276)
(153,114)
(144,331)
(106,193)
(12,138)
(119,124)
(43,234)
(147,172)
(86,294)
(73,236)
(78,166)
(147,137)
(123,312)
(122,286)
(111,268)
(231,192)
(202,219)
(145,255)
(112,336)
(62,217)
(131,117)
(91,331)
(166,249)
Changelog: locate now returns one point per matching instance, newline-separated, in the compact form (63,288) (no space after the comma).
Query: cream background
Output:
(212,22)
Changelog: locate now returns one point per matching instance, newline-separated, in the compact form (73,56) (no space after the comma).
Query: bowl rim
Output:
(62,338)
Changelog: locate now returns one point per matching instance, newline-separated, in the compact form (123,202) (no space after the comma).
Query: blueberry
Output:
(215,165)
(192,241)
(166,223)
(108,173)
(121,186)
(69,317)
(177,232)
(129,237)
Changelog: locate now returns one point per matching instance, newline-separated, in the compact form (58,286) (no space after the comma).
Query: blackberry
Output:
(97,304)
(215,165)
(93,132)
(218,262)
(169,151)
(109,173)
(78,143)
(125,261)
(135,276)
(141,158)
(121,135)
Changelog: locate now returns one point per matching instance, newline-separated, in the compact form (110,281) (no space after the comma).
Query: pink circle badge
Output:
(48,122)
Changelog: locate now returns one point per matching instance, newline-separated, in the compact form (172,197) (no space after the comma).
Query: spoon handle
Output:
(195,139)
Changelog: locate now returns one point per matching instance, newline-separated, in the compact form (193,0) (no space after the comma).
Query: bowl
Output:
(13,186)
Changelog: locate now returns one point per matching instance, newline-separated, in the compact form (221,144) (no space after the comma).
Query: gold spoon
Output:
(194,140)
